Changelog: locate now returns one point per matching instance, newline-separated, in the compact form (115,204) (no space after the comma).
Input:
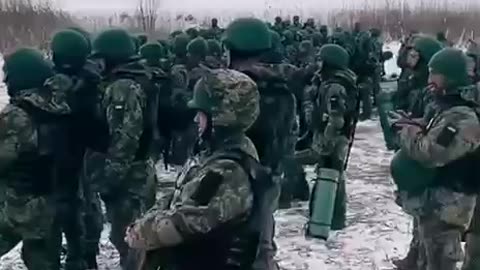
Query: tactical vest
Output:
(461,175)
(269,124)
(136,72)
(347,80)
(465,169)
(33,172)
(234,245)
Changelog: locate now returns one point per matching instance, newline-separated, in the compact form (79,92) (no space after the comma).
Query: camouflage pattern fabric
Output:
(120,179)
(443,214)
(160,228)
(25,216)
(327,108)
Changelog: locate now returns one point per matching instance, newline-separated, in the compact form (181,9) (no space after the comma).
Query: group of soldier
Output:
(241,108)
(432,123)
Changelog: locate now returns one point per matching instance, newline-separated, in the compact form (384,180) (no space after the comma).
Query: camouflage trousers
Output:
(27,218)
(69,220)
(294,183)
(443,216)
(124,205)
(472,239)
(366,88)
(267,248)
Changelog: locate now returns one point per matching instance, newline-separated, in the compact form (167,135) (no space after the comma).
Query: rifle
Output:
(352,132)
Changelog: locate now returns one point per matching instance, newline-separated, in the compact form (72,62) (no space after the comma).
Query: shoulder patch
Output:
(208,187)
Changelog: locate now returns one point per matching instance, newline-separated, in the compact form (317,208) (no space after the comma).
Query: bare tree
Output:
(147,14)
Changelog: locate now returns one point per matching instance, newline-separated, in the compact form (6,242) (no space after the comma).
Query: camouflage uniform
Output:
(446,146)
(32,138)
(331,109)
(206,223)
(118,166)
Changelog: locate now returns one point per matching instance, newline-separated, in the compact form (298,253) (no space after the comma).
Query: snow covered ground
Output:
(378,231)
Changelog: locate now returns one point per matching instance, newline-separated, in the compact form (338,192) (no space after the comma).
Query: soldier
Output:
(331,112)
(70,50)
(85,101)
(184,139)
(472,239)
(180,43)
(422,51)
(324,35)
(152,53)
(473,54)
(118,166)
(32,142)
(209,222)
(297,25)
(291,49)
(364,64)
(435,168)
(442,38)
(294,185)
(378,53)
(214,58)
(278,25)
(266,133)
(306,54)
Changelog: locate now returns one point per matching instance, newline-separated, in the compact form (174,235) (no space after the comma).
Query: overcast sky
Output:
(113,5)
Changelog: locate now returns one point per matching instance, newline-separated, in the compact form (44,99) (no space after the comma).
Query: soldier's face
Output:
(201,119)
(436,83)
(412,58)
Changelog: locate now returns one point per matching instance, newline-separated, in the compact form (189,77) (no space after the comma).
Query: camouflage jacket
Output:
(190,213)
(329,110)
(122,107)
(19,132)
(451,133)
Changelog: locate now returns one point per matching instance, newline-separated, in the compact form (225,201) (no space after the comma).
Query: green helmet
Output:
(26,68)
(230,97)
(288,35)
(214,47)
(317,39)
(452,64)
(180,44)
(306,46)
(152,52)
(176,33)
(324,29)
(334,56)
(198,47)
(375,32)
(276,39)
(409,174)
(192,32)
(114,45)
(69,49)
(248,35)
(85,34)
(426,47)
(142,39)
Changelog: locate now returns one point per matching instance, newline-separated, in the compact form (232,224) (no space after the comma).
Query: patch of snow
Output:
(3,89)
(391,69)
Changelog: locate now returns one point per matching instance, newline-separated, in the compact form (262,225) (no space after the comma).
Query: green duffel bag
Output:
(409,175)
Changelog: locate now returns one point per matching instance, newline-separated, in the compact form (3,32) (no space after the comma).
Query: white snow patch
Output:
(391,68)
